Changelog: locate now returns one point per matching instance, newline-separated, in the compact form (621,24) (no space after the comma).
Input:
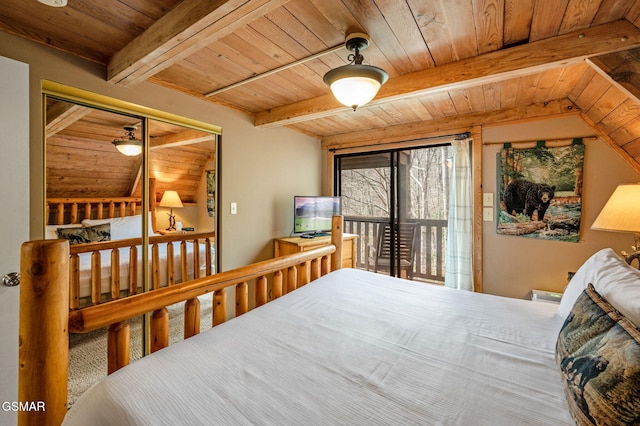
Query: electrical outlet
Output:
(234,208)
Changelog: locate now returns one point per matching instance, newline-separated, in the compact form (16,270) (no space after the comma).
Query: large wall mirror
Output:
(128,186)
(115,170)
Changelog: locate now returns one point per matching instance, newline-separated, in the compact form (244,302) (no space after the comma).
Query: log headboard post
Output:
(43,334)
(336,240)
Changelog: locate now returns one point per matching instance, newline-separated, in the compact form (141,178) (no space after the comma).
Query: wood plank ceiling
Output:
(452,64)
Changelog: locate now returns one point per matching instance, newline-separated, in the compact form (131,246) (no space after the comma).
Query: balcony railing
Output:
(430,243)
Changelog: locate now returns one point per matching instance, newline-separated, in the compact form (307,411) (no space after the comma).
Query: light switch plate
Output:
(487,199)
(234,208)
(487,214)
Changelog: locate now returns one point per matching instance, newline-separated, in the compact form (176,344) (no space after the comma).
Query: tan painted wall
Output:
(515,265)
(262,169)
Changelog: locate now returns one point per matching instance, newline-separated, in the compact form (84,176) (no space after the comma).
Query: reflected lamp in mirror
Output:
(622,214)
(129,145)
(171,199)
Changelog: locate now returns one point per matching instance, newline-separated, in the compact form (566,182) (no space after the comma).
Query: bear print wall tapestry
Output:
(541,191)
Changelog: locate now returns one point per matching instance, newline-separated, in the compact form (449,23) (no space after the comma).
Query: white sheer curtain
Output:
(459,258)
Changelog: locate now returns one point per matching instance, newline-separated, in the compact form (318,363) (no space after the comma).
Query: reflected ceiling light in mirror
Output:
(355,84)
(129,145)
(54,3)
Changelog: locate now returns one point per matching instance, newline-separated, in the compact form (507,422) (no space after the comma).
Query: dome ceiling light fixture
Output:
(355,84)
(129,145)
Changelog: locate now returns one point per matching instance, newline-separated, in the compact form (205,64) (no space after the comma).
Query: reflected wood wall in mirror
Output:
(82,162)
(81,159)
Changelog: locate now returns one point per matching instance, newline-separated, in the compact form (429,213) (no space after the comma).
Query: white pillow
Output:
(122,227)
(613,279)
(50,230)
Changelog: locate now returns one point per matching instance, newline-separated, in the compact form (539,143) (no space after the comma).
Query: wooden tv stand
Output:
(289,245)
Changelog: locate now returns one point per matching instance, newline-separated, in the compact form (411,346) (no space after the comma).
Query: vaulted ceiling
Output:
(452,64)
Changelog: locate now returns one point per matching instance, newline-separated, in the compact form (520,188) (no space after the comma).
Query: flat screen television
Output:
(312,214)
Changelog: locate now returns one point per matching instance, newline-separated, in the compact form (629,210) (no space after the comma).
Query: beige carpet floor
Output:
(88,352)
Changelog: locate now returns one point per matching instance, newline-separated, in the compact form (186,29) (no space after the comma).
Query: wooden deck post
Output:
(44,339)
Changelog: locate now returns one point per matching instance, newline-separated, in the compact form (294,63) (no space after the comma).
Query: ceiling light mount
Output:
(355,84)
(355,43)
(129,145)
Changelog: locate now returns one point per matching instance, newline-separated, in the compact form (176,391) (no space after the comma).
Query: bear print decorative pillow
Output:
(86,234)
(598,352)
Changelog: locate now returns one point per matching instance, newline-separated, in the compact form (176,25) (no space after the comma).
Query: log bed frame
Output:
(46,317)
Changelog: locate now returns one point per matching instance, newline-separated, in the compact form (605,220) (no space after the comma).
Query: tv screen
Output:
(313,215)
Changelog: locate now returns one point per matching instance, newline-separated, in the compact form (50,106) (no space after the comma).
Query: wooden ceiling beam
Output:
(612,144)
(424,129)
(63,114)
(513,62)
(187,137)
(622,69)
(183,31)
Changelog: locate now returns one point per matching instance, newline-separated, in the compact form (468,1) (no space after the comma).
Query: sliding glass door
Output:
(396,202)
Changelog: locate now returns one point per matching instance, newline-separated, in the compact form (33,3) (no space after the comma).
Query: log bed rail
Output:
(46,318)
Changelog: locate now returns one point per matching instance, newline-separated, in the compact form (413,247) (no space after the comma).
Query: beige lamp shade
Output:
(622,211)
(170,199)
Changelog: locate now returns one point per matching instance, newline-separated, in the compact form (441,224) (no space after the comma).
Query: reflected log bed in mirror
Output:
(96,275)
(75,210)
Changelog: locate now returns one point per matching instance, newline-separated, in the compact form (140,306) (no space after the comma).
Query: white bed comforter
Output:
(352,348)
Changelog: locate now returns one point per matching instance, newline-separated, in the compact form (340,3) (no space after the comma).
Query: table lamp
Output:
(171,199)
(622,214)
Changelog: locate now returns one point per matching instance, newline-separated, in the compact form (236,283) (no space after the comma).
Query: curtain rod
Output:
(548,141)
(456,136)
